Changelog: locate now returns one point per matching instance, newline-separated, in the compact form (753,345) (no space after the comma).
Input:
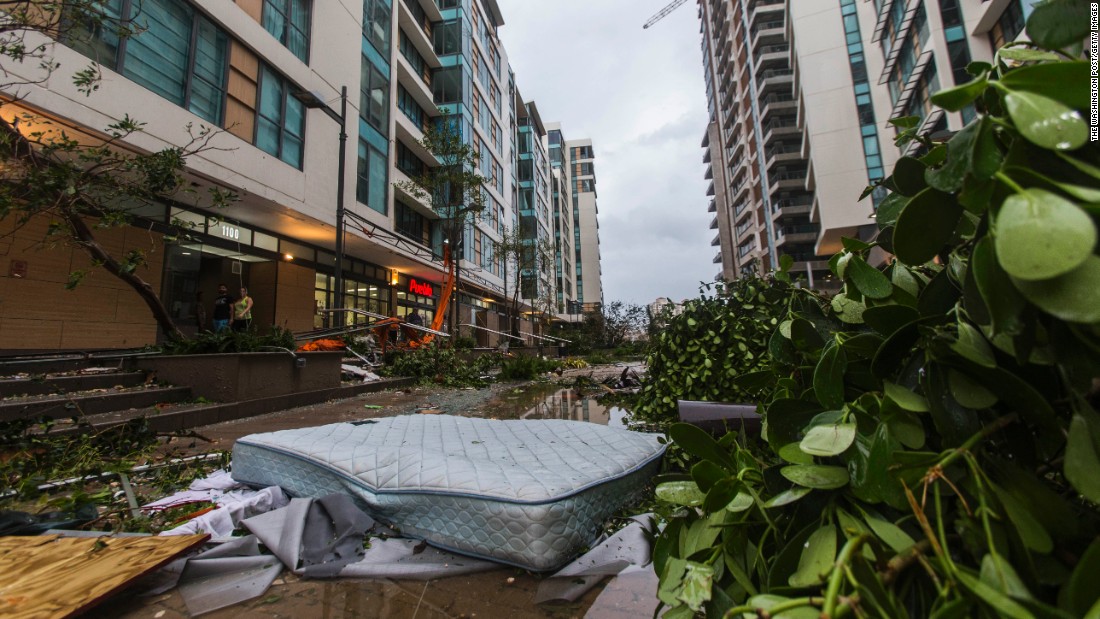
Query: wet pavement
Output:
(506,592)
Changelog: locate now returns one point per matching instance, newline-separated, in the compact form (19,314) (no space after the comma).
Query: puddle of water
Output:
(554,402)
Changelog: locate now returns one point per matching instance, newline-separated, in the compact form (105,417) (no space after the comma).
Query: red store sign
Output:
(423,289)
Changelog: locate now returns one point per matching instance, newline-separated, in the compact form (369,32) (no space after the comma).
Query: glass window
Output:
(376,24)
(280,118)
(98,39)
(447,37)
(412,224)
(410,107)
(178,53)
(408,162)
(288,21)
(447,86)
(371,173)
(374,95)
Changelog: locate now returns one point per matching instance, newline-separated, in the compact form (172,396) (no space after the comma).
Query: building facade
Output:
(800,95)
(586,232)
(255,70)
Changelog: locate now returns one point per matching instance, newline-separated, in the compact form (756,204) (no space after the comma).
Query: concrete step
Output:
(180,417)
(68,383)
(90,403)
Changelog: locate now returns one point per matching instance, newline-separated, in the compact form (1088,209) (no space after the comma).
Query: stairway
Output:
(100,391)
(96,393)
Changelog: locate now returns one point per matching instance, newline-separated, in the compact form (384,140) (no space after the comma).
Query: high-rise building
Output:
(800,95)
(586,232)
(256,69)
(565,227)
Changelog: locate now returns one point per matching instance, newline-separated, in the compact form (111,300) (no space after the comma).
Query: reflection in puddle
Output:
(553,402)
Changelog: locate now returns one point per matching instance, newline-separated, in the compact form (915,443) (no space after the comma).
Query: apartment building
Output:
(566,233)
(259,71)
(586,235)
(799,95)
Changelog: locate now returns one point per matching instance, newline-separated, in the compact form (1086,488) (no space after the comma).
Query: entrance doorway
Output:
(193,272)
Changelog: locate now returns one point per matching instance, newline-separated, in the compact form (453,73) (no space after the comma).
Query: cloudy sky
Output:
(639,95)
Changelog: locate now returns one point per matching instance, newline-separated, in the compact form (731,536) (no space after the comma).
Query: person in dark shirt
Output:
(415,318)
(223,309)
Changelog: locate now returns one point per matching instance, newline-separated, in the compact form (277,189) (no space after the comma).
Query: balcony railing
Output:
(787,176)
(779,124)
(778,205)
(775,49)
(782,78)
(768,25)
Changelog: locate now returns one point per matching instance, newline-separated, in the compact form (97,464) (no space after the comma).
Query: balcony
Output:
(710,189)
(744,231)
(718,258)
(739,188)
(714,223)
(770,54)
(762,9)
(746,249)
(775,81)
(741,209)
(791,208)
(713,208)
(419,33)
(786,181)
(716,241)
(779,127)
(776,103)
(798,233)
(768,32)
(783,153)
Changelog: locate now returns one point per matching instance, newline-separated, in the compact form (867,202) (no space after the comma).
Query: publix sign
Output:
(423,289)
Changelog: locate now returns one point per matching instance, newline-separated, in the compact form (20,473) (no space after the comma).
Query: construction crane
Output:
(663,13)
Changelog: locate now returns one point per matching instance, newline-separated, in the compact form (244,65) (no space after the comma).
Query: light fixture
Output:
(395,278)
(288,257)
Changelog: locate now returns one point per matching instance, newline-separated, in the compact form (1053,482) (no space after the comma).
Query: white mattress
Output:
(530,493)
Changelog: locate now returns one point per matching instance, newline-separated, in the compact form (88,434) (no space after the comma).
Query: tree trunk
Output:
(86,240)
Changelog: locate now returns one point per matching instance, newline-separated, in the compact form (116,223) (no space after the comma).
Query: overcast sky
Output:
(639,95)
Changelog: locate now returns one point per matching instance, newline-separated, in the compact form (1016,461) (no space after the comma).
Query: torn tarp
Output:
(625,551)
(235,503)
(299,531)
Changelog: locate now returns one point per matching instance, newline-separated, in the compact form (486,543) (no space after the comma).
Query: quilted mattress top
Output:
(520,461)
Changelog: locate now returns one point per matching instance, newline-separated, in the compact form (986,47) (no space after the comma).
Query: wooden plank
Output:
(49,576)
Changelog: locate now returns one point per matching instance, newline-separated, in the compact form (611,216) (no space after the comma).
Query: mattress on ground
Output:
(531,493)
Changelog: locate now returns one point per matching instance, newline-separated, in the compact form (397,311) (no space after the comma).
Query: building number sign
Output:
(231,232)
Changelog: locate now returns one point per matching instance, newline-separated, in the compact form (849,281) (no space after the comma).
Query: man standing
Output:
(223,309)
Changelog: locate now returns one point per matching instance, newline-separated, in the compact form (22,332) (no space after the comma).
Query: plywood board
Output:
(52,577)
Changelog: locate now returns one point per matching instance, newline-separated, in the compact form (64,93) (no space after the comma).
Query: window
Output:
(416,61)
(496,98)
(288,21)
(376,24)
(410,107)
(412,224)
(371,173)
(447,38)
(447,86)
(482,72)
(374,94)
(408,162)
(1008,26)
(179,54)
(280,118)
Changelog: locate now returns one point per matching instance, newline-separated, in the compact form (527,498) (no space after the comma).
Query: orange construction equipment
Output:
(415,336)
